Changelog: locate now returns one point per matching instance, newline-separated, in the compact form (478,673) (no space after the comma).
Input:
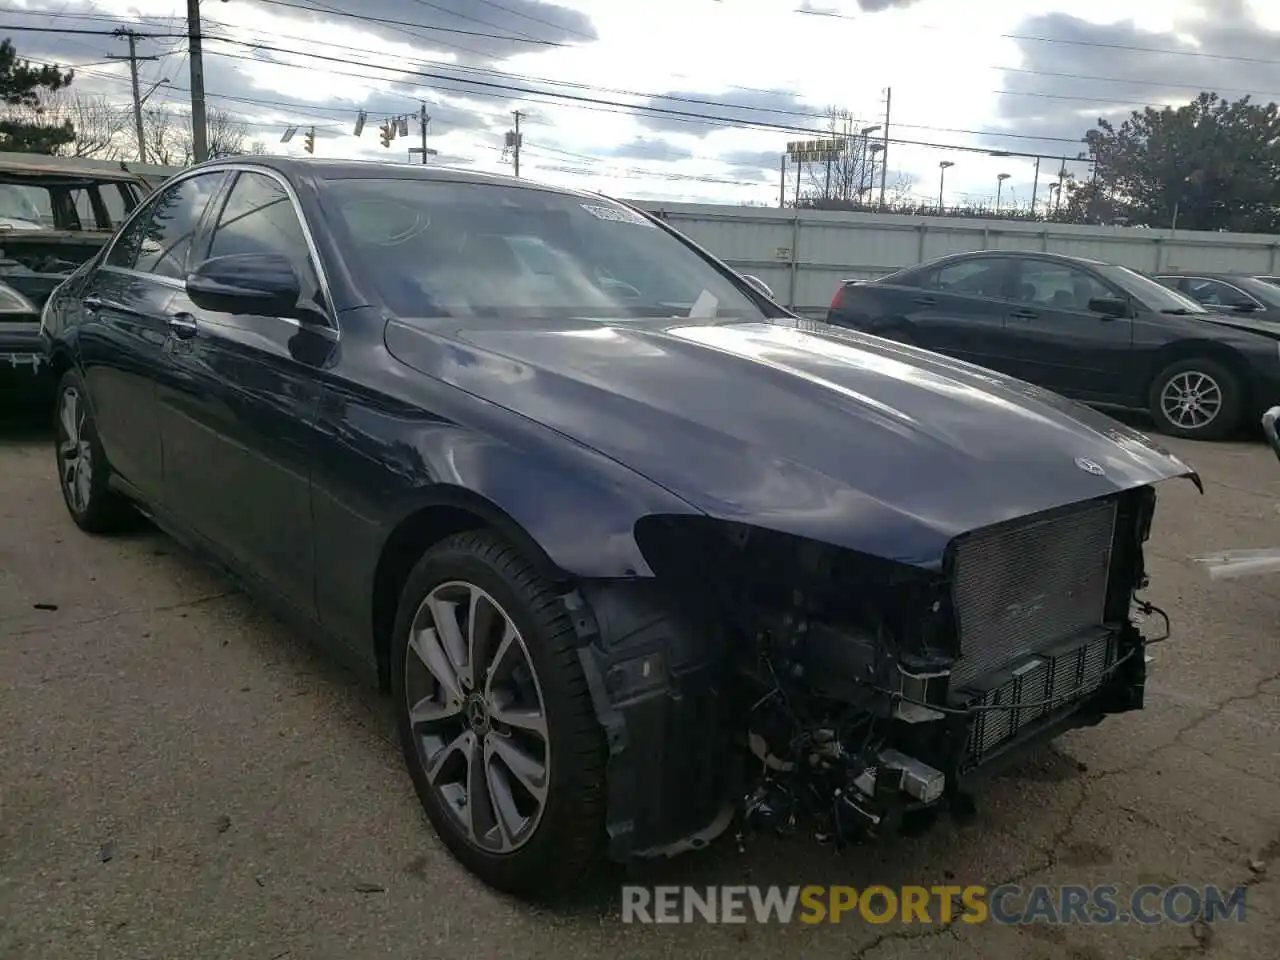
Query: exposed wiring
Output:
(1148,608)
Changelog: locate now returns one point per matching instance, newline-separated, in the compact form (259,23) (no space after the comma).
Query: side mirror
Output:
(1113,308)
(760,285)
(258,284)
(1244,306)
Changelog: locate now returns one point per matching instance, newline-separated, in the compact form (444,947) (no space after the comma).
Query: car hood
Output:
(800,427)
(1265,323)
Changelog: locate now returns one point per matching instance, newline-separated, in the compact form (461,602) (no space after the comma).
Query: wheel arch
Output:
(1214,350)
(443,512)
(60,359)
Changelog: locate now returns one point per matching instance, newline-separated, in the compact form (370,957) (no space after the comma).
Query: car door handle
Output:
(182,325)
(1024,314)
(926,301)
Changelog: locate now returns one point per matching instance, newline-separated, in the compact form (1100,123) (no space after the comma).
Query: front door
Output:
(238,423)
(1057,342)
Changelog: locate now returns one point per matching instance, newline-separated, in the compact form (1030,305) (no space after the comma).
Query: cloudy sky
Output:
(682,99)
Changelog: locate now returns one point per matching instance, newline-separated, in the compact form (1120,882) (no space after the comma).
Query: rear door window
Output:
(979,277)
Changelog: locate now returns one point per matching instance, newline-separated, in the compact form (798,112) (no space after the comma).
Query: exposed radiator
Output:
(1061,680)
(1018,590)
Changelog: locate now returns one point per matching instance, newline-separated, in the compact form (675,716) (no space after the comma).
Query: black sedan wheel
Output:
(496,722)
(83,473)
(1196,399)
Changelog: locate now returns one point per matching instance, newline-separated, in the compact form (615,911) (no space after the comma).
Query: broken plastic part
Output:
(918,780)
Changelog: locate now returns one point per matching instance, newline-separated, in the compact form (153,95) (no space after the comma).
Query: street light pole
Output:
(1000,179)
(942,179)
(862,171)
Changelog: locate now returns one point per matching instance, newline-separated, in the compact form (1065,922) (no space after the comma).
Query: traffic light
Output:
(311,140)
(388,132)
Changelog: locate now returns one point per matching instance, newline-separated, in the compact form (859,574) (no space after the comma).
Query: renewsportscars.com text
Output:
(1007,904)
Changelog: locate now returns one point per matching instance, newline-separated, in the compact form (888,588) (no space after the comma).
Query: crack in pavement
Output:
(1188,727)
(162,608)
(1200,930)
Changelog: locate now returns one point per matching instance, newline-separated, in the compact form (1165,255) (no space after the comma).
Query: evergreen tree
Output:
(23,87)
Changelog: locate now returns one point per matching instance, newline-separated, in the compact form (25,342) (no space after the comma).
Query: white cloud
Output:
(947,63)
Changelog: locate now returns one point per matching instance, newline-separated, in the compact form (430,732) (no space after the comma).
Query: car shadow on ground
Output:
(26,425)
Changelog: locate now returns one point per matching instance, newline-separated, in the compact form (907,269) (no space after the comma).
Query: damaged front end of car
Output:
(791,685)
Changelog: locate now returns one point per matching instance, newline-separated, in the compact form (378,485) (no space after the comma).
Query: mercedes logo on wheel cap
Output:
(1088,466)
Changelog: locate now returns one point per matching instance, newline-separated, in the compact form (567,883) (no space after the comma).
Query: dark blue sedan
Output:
(636,551)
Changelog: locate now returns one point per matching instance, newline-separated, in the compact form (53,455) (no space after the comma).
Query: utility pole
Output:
(422,122)
(133,59)
(884,153)
(515,146)
(782,183)
(199,128)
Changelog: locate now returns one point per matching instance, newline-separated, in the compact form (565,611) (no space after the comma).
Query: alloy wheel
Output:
(478,716)
(1191,400)
(75,454)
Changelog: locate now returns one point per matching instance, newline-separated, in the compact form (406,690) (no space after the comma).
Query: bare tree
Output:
(163,134)
(169,141)
(227,136)
(96,124)
(843,177)
(101,127)
(900,190)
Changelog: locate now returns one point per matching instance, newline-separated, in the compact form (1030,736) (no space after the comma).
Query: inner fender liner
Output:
(658,677)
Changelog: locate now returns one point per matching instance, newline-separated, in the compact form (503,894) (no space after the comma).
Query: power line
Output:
(630,172)
(727,121)
(405,23)
(468,17)
(675,98)
(529,16)
(502,90)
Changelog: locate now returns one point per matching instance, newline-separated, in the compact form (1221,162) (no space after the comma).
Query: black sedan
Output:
(1092,331)
(1241,295)
(635,551)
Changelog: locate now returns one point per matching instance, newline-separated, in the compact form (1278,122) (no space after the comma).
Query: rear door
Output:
(959,308)
(238,420)
(1057,342)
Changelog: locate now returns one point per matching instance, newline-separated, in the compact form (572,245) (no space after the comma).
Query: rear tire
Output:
(83,472)
(467,721)
(1197,399)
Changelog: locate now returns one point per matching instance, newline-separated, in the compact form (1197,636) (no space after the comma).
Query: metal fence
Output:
(803,255)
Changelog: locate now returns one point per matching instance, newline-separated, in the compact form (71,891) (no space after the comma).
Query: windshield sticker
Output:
(616,214)
(704,308)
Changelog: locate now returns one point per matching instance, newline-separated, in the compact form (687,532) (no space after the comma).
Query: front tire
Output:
(1198,399)
(495,719)
(83,472)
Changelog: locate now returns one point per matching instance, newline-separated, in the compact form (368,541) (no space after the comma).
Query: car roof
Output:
(1015,255)
(327,169)
(1209,274)
(51,167)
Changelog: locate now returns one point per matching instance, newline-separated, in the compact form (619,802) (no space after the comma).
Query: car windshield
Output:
(437,248)
(16,204)
(1268,293)
(1151,294)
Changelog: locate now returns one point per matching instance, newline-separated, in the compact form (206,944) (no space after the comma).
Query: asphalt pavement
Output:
(182,776)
